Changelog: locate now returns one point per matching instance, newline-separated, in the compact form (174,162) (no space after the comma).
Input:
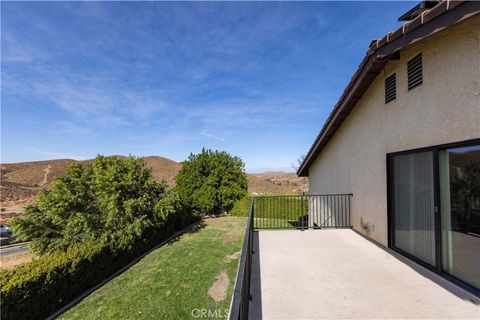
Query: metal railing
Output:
(302,211)
(283,212)
(241,295)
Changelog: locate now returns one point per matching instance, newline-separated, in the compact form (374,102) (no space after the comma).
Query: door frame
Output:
(438,268)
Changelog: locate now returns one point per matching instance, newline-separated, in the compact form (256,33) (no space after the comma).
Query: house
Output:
(404,139)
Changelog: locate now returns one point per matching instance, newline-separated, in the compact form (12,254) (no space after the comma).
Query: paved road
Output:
(14,249)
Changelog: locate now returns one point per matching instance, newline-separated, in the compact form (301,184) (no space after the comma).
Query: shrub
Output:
(273,207)
(210,182)
(92,222)
(37,289)
(241,207)
(92,202)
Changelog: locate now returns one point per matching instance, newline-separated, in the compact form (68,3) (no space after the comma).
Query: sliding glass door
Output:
(460,207)
(434,209)
(414,205)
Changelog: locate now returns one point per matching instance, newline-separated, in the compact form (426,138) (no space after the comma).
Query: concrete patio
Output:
(338,274)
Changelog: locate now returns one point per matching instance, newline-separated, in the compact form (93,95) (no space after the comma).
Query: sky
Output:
(256,79)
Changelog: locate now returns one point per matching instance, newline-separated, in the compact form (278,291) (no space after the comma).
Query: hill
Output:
(21,181)
(277,183)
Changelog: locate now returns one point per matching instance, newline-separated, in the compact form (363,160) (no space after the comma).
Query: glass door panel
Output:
(460,209)
(414,205)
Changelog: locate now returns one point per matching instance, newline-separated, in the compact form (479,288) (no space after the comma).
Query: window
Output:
(390,88)
(414,69)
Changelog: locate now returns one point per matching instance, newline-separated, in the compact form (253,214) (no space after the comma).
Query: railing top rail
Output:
(302,195)
(237,293)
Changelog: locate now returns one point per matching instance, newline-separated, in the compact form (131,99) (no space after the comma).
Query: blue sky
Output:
(149,78)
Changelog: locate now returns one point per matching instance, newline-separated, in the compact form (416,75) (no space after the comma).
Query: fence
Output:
(302,211)
(241,295)
(283,212)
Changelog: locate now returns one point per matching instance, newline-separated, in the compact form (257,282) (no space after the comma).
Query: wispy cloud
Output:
(211,136)
(54,154)
(72,127)
(255,78)
(115,92)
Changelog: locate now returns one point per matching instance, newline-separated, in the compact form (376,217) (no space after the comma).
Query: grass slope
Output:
(172,280)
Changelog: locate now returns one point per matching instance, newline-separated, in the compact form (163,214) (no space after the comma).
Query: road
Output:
(14,249)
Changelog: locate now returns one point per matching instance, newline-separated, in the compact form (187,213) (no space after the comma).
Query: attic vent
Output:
(414,68)
(390,88)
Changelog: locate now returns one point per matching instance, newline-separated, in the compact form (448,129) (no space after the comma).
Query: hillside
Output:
(277,183)
(21,181)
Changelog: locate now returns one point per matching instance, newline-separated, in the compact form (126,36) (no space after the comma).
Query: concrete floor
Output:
(338,274)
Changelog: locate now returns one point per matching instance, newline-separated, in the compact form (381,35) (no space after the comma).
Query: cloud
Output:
(264,111)
(88,100)
(50,62)
(211,136)
(128,71)
(169,77)
(72,127)
(54,154)
(95,101)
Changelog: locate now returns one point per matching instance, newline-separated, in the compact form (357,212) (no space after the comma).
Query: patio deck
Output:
(338,274)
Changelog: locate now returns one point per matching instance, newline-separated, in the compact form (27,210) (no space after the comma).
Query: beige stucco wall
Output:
(444,109)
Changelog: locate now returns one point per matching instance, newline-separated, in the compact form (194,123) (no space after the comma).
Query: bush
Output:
(210,182)
(92,222)
(93,202)
(37,289)
(276,207)
(241,208)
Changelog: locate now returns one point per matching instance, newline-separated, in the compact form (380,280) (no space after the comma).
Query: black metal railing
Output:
(302,211)
(241,295)
(282,212)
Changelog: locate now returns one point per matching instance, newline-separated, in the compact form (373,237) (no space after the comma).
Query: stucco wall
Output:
(445,108)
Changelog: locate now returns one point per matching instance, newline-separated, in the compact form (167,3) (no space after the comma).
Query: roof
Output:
(417,10)
(429,22)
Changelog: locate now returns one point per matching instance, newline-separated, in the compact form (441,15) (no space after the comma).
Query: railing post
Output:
(252,224)
(301,211)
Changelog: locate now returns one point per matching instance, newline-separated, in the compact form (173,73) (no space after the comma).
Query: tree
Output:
(211,181)
(108,198)
(299,162)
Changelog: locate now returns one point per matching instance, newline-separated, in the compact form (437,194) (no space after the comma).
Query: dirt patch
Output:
(229,238)
(11,261)
(231,257)
(45,177)
(218,290)
(6,216)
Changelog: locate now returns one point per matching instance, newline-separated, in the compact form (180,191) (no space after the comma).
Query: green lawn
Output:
(172,281)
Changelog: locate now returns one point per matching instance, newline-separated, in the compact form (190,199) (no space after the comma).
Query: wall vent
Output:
(390,88)
(414,69)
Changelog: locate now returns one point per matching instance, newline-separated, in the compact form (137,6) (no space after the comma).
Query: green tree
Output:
(211,181)
(106,199)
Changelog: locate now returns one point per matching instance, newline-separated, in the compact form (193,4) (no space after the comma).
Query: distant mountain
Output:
(21,181)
